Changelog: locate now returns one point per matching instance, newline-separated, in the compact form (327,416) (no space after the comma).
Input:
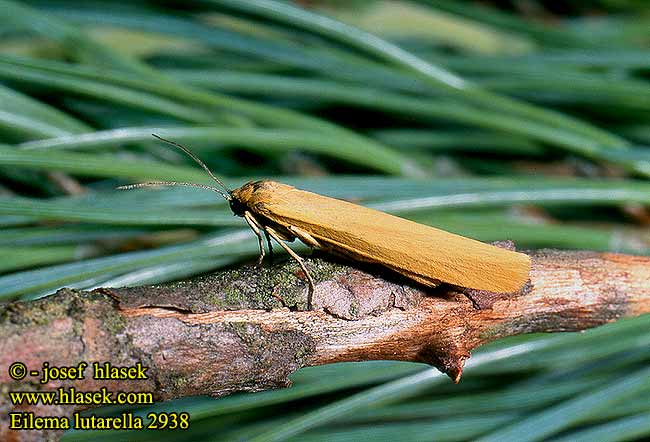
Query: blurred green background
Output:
(525,119)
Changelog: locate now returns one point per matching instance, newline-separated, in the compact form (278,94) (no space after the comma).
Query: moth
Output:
(422,253)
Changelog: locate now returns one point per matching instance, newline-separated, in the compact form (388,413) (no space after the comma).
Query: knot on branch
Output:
(355,294)
(447,356)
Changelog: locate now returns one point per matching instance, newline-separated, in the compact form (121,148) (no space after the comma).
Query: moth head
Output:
(242,198)
(238,208)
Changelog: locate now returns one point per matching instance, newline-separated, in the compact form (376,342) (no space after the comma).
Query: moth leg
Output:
(300,261)
(304,236)
(270,246)
(255,227)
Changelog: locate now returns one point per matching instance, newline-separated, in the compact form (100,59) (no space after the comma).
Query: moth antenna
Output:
(199,162)
(171,184)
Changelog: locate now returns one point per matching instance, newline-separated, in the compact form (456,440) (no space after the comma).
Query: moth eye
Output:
(237,207)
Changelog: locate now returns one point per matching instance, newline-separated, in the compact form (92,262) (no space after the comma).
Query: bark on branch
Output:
(246,329)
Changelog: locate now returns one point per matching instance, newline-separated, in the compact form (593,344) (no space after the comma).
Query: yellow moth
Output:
(422,253)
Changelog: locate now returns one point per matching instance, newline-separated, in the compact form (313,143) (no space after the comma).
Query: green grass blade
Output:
(628,428)
(94,81)
(390,392)
(53,277)
(23,257)
(116,94)
(77,43)
(554,419)
(12,100)
(434,75)
(267,141)
(25,127)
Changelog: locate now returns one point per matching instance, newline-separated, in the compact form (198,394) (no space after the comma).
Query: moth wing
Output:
(421,252)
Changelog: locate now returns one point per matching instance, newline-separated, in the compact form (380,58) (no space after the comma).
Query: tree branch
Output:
(245,329)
